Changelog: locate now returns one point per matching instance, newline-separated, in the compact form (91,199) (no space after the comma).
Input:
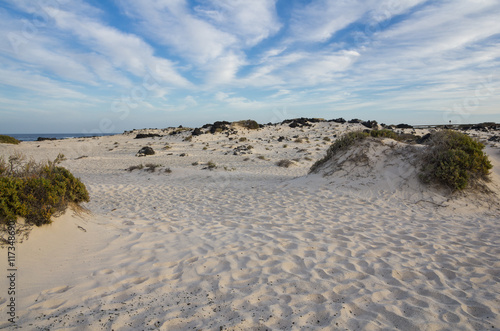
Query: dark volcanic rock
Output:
(43,139)
(240,150)
(145,151)
(424,139)
(197,132)
(370,124)
(495,139)
(217,126)
(147,135)
(300,122)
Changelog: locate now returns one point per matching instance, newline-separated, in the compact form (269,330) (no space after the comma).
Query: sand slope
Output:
(259,247)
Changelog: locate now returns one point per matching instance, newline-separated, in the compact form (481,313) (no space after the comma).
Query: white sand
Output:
(258,247)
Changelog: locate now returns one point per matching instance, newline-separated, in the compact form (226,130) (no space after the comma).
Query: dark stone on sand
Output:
(423,139)
(370,124)
(301,122)
(145,151)
(147,135)
(197,132)
(404,126)
(43,139)
(495,139)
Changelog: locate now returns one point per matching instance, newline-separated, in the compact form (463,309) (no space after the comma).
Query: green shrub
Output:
(249,124)
(211,165)
(284,163)
(348,139)
(151,167)
(135,167)
(36,191)
(385,134)
(455,160)
(8,140)
(342,143)
(11,204)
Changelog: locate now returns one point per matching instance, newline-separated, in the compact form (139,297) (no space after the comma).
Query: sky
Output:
(109,66)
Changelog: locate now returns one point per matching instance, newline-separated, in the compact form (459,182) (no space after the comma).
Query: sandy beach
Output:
(250,245)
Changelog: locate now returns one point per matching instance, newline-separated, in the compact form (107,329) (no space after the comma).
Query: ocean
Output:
(35,136)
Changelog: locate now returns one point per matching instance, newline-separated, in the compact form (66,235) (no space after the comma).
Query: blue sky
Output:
(108,66)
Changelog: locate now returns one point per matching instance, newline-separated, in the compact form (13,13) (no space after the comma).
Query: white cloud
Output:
(251,21)
(34,82)
(223,70)
(301,69)
(213,36)
(190,101)
(125,51)
(281,93)
(171,23)
(319,20)
(221,96)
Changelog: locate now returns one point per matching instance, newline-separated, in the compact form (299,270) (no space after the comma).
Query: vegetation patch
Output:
(8,140)
(210,166)
(151,167)
(450,159)
(37,191)
(284,163)
(455,160)
(135,167)
(342,143)
(249,124)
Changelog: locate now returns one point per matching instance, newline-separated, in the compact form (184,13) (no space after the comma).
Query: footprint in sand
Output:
(103,272)
(55,290)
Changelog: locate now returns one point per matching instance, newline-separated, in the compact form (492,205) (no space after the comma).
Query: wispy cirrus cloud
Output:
(251,22)
(212,36)
(318,21)
(125,51)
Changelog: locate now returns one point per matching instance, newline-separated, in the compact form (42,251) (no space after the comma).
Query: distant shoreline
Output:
(56,136)
(59,136)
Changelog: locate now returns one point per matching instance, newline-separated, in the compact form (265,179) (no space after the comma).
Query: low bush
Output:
(342,143)
(151,167)
(385,134)
(8,140)
(135,167)
(455,160)
(249,124)
(451,159)
(284,163)
(37,191)
(348,139)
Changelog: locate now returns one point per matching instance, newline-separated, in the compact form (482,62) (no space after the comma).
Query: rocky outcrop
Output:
(145,151)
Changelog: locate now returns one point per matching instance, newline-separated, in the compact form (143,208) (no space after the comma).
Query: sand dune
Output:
(256,246)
